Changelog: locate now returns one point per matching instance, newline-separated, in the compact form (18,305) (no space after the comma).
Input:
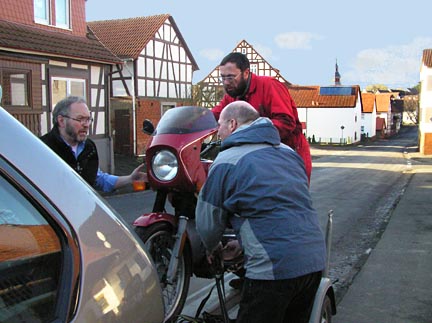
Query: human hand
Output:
(232,250)
(212,256)
(138,175)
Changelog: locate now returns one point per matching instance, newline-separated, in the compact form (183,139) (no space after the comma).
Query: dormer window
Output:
(62,13)
(44,13)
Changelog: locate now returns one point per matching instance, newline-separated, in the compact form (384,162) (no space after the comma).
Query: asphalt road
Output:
(361,184)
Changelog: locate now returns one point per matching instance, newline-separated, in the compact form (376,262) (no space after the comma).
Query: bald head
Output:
(234,115)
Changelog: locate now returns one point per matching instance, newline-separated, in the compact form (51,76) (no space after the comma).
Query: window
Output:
(166,106)
(63,87)
(254,68)
(30,260)
(41,11)
(62,13)
(15,85)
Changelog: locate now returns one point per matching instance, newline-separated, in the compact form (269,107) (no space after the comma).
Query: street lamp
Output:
(342,128)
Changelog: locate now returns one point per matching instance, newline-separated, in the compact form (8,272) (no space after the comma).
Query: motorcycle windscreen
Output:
(183,120)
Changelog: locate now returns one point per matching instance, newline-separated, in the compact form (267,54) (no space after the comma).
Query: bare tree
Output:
(411,107)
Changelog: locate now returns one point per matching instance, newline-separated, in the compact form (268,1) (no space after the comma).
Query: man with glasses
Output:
(69,139)
(268,96)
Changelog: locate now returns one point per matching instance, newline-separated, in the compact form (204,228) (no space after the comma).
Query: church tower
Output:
(337,75)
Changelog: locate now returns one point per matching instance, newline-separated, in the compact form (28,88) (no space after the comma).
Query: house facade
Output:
(330,114)
(368,116)
(209,91)
(155,74)
(425,115)
(390,110)
(47,53)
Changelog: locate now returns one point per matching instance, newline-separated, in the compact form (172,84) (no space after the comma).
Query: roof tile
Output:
(427,57)
(20,37)
(309,97)
(127,37)
(368,102)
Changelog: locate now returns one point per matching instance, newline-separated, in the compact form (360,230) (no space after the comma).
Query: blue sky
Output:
(374,42)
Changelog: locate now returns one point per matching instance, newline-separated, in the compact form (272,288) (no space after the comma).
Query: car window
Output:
(30,260)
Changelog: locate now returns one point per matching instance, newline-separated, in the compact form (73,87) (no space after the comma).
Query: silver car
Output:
(64,254)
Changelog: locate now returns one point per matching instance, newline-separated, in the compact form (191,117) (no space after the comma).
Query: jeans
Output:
(277,301)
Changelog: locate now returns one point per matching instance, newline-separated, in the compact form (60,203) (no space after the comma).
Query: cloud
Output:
(391,66)
(296,40)
(264,51)
(212,54)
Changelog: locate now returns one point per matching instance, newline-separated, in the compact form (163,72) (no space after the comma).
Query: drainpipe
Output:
(133,102)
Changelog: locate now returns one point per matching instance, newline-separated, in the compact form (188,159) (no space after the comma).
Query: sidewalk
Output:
(395,283)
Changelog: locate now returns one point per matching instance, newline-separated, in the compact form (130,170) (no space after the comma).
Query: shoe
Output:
(236,283)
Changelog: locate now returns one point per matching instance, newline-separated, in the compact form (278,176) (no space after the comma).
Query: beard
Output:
(77,137)
(236,91)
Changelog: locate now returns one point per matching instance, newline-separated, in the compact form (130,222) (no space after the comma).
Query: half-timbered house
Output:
(209,91)
(156,74)
(389,108)
(47,53)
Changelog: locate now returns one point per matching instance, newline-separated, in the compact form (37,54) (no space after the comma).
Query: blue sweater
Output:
(260,186)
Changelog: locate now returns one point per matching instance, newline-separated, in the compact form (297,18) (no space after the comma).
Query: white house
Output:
(330,114)
(425,118)
(368,117)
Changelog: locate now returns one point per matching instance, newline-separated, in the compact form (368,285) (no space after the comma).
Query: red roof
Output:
(309,97)
(38,41)
(128,37)
(427,57)
(383,101)
(368,102)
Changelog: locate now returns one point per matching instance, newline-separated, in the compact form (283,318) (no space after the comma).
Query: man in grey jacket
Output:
(259,187)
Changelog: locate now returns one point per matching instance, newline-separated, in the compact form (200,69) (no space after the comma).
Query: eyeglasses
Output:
(229,77)
(83,120)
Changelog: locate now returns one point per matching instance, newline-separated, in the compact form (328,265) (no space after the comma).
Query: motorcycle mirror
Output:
(148,127)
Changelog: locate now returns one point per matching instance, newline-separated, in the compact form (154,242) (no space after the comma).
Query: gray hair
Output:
(62,107)
(241,111)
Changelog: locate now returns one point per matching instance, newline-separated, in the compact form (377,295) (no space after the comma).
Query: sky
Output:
(372,41)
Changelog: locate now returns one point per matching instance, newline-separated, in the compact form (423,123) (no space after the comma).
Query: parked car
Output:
(64,254)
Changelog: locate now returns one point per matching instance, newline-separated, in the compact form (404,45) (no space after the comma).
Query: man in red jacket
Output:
(269,97)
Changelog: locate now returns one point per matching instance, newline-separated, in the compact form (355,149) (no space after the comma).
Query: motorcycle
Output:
(178,157)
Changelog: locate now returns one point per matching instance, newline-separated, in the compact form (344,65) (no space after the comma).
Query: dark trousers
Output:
(277,301)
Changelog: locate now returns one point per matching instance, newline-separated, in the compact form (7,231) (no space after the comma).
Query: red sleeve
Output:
(282,110)
(217,109)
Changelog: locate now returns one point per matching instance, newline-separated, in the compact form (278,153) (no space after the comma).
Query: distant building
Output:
(369,115)
(425,115)
(337,75)
(330,114)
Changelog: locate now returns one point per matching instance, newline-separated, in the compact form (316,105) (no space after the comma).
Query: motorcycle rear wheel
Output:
(159,241)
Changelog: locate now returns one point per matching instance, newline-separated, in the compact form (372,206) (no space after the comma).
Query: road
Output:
(361,184)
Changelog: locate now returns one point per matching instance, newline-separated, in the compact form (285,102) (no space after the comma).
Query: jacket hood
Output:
(261,131)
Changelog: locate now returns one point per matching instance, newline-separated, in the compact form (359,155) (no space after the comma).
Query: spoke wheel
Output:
(159,241)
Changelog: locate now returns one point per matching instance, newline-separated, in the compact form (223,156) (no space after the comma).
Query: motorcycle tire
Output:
(159,241)
(326,310)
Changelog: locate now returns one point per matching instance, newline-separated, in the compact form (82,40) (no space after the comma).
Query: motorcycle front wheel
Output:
(159,241)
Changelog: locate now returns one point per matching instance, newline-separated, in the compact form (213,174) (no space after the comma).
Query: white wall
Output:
(325,123)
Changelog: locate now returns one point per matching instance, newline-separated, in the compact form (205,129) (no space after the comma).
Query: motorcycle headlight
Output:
(165,165)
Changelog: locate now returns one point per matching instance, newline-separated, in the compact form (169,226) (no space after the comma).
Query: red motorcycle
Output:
(178,157)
